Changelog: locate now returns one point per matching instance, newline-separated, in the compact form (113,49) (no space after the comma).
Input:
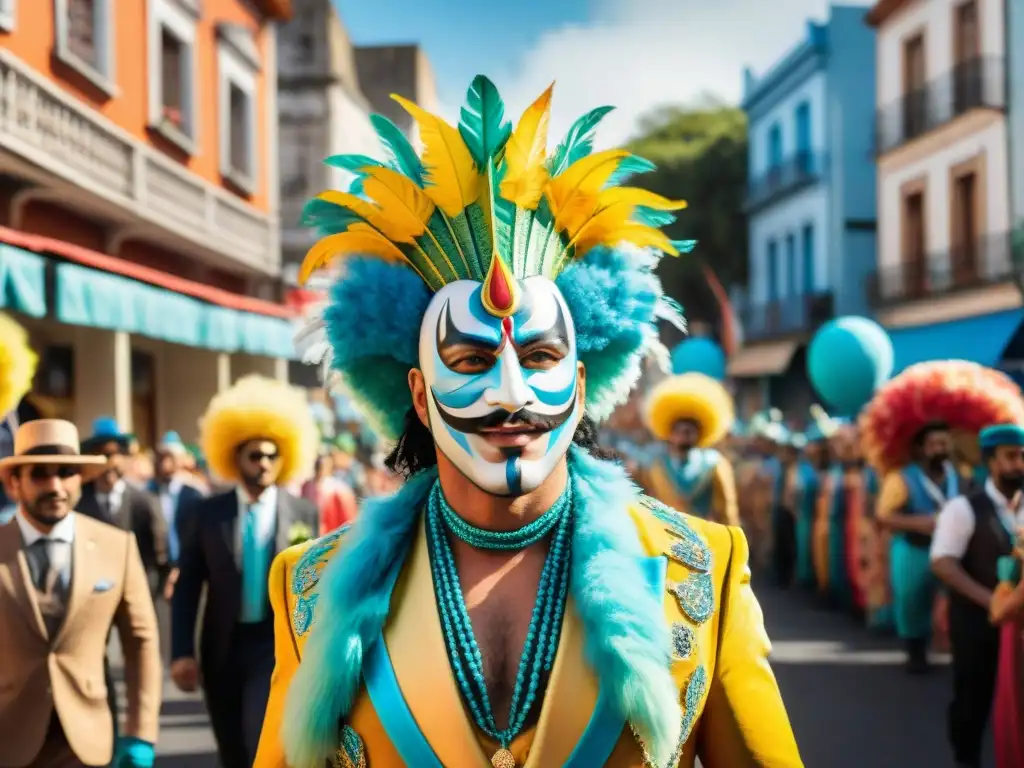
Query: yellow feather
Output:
(453,176)
(599,227)
(526,172)
(641,236)
(573,194)
(636,197)
(368,211)
(400,200)
(359,238)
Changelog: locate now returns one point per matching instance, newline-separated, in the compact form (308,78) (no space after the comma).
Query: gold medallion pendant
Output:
(503,759)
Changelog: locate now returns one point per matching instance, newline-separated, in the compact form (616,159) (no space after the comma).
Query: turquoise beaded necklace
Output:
(545,622)
(521,538)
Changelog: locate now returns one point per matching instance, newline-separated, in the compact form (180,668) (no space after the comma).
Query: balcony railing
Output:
(987,261)
(799,171)
(792,315)
(974,84)
(41,124)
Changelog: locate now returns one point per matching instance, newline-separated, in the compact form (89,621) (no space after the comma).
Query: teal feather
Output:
(474,231)
(652,218)
(629,167)
(482,125)
(504,213)
(578,142)
(452,243)
(328,218)
(353,163)
(684,246)
(405,158)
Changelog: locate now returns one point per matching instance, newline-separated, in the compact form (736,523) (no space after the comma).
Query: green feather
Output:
(548,246)
(504,213)
(328,218)
(482,125)
(629,167)
(684,246)
(652,218)
(440,227)
(353,163)
(405,158)
(474,226)
(578,142)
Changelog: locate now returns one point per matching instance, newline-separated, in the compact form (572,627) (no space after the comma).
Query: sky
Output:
(634,54)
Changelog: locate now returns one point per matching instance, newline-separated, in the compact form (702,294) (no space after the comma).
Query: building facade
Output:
(139,235)
(810,202)
(945,283)
(1015,120)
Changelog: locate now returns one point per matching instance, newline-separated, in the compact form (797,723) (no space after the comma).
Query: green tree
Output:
(701,154)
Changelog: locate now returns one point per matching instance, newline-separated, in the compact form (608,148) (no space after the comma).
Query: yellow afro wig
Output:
(17,364)
(260,408)
(692,396)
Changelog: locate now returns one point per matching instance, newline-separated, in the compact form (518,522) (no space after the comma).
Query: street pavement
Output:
(850,702)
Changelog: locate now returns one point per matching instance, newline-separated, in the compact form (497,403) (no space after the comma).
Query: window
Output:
(915,260)
(791,284)
(237,118)
(967,72)
(967,40)
(802,119)
(808,252)
(172,72)
(915,95)
(8,10)
(85,40)
(965,227)
(772,268)
(774,146)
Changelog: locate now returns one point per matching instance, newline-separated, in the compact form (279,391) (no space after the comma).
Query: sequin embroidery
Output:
(682,641)
(306,576)
(351,753)
(696,596)
(695,688)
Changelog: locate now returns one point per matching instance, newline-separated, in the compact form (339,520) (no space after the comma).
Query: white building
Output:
(945,277)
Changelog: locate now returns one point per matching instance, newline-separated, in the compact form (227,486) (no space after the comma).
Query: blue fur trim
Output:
(373,326)
(628,643)
(354,603)
(613,299)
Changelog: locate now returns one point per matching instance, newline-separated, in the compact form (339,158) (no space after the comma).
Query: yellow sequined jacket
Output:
(733,714)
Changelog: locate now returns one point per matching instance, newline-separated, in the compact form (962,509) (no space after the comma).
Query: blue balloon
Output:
(848,359)
(699,355)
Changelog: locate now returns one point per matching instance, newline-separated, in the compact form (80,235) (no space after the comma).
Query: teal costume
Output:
(694,478)
(808,485)
(913,586)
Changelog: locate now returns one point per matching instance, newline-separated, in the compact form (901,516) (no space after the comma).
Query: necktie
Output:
(254,568)
(40,558)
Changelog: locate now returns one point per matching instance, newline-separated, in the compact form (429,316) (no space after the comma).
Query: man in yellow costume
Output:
(516,602)
(692,414)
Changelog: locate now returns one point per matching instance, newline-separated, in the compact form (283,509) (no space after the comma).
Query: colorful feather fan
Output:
(483,190)
(964,395)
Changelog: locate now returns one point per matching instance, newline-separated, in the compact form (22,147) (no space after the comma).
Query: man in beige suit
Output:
(65,580)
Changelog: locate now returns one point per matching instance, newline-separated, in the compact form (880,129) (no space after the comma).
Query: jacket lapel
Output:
(229,512)
(84,571)
(16,578)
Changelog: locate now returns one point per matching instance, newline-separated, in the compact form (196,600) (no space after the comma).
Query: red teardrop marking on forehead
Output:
(499,292)
(506,327)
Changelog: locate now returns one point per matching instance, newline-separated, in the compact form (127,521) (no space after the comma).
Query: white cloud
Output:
(641,54)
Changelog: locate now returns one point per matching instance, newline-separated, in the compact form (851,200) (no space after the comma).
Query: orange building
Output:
(139,233)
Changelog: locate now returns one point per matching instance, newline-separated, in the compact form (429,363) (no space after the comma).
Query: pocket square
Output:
(103,586)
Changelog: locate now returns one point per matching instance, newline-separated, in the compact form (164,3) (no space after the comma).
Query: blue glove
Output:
(133,753)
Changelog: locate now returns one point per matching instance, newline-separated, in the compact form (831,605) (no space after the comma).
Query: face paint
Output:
(501,392)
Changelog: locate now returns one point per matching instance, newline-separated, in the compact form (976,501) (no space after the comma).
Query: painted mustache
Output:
(502,418)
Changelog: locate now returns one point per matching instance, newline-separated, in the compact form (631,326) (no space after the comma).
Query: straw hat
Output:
(51,441)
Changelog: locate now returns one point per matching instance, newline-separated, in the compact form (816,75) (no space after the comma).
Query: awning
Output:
(22,281)
(97,299)
(982,339)
(762,359)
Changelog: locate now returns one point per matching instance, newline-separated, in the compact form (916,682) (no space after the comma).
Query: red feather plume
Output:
(966,396)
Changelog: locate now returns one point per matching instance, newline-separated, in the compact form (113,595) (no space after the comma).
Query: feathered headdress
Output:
(259,408)
(965,396)
(17,364)
(487,203)
(692,396)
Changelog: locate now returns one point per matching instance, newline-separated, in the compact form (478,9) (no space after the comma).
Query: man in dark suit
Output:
(227,544)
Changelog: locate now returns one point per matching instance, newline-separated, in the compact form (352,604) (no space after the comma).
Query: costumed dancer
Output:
(830,529)
(495,309)
(17,369)
(1007,613)
(803,487)
(761,483)
(860,486)
(972,534)
(906,431)
(691,414)
(259,435)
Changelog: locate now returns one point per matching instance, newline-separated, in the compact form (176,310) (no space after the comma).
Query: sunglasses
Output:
(43,473)
(257,456)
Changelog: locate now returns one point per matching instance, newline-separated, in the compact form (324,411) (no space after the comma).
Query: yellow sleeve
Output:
(724,500)
(892,497)
(286,660)
(744,723)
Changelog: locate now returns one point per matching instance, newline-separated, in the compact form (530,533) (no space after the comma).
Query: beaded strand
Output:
(542,635)
(521,538)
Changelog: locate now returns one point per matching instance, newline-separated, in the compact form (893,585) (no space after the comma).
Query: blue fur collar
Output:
(626,644)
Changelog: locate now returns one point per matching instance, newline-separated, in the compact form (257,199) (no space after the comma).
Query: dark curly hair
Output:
(415,448)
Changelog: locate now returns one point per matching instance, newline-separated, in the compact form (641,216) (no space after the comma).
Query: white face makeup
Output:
(501,392)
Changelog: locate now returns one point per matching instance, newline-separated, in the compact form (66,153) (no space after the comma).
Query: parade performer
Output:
(803,486)
(1007,613)
(491,308)
(691,414)
(972,533)
(17,369)
(760,484)
(906,433)
(259,435)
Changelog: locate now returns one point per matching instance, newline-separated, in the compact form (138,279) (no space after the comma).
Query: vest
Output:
(920,502)
(52,600)
(989,542)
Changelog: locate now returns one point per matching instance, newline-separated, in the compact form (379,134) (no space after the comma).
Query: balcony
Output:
(989,261)
(801,170)
(784,317)
(78,150)
(975,84)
